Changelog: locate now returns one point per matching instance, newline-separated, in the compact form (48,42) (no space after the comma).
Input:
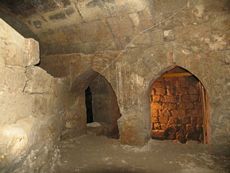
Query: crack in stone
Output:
(79,12)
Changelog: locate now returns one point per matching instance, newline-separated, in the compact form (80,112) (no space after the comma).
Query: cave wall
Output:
(190,34)
(32,104)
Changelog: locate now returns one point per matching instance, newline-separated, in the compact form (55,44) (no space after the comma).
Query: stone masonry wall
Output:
(193,35)
(81,70)
(176,109)
(31,105)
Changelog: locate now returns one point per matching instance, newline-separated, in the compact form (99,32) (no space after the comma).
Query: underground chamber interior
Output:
(102,109)
(179,107)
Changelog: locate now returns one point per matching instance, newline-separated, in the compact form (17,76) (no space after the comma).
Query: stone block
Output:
(172,121)
(100,32)
(194,98)
(16,50)
(186,98)
(91,11)
(165,112)
(194,120)
(163,119)
(181,91)
(38,81)
(157,126)
(160,91)
(183,82)
(155,119)
(178,113)
(186,120)
(122,28)
(163,126)
(146,21)
(158,84)
(154,112)
(156,98)
(170,99)
(193,112)
(200,121)
(171,91)
(192,90)
(14,107)
(189,105)
(156,106)
(13,80)
(169,106)
(130,130)
(33,56)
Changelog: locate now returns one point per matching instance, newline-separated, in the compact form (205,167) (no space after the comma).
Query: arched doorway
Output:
(179,107)
(101,108)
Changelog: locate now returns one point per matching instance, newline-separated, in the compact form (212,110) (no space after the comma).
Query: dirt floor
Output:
(98,154)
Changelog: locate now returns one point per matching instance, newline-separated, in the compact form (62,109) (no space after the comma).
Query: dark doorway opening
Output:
(88,103)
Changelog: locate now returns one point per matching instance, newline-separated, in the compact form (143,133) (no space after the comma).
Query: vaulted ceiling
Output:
(67,26)
(87,26)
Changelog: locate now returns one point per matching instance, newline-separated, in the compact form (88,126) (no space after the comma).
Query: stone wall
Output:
(190,34)
(176,109)
(82,71)
(32,104)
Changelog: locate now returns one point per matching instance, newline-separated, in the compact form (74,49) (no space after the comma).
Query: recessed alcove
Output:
(178,107)
(101,107)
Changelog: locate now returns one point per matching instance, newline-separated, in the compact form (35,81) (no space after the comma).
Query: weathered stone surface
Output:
(134,70)
(17,79)
(197,41)
(14,106)
(15,141)
(32,103)
(95,128)
(33,52)
(38,81)
(15,50)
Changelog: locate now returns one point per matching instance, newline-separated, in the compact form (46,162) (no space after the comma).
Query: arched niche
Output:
(179,107)
(99,106)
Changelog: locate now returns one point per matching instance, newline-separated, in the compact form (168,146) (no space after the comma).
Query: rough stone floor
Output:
(98,154)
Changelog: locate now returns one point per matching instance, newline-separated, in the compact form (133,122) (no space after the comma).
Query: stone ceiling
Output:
(67,26)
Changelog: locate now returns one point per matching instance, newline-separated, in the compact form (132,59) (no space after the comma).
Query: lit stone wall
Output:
(176,109)
(189,34)
(31,105)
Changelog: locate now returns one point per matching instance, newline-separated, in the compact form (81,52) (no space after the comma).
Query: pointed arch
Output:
(179,106)
(105,109)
